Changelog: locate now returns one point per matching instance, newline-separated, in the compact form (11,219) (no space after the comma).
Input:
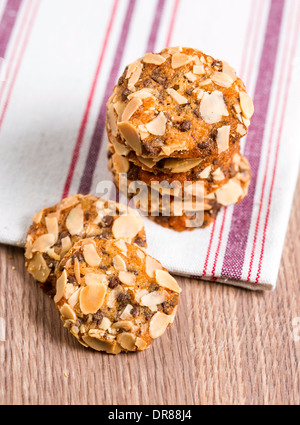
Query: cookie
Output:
(176,212)
(114,297)
(56,229)
(179,103)
(212,176)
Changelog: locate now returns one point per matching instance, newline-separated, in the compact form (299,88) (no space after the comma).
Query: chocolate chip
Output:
(133,173)
(203,145)
(109,154)
(140,241)
(114,281)
(125,93)
(105,235)
(87,216)
(217,64)
(72,279)
(123,299)
(189,91)
(185,125)
(197,112)
(147,82)
(107,221)
(153,147)
(158,76)
(79,257)
(153,287)
(176,87)
(64,234)
(98,316)
(135,311)
(121,80)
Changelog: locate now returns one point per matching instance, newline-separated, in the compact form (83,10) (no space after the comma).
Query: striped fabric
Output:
(62,59)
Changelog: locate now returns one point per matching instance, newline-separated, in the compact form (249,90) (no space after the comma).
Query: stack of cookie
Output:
(89,254)
(174,124)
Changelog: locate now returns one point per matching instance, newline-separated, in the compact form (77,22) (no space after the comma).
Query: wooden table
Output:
(227,346)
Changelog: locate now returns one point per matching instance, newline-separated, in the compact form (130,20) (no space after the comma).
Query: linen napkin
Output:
(59,62)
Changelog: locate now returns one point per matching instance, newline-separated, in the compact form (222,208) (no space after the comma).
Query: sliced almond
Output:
(98,345)
(223,138)
(73,300)
(174,50)
(120,163)
(77,270)
(153,298)
(126,313)
(119,148)
(204,82)
(206,172)
(140,343)
(52,254)
(164,279)
(221,79)
(246,122)
(181,100)
(91,256)
(74,221)
(37,218)
(229,193)
(218,175)
(60,286)
(127,341)
(68,313)
(180,59)
(133,74)
(131,136)
(181,165)
(127,278)
(131,107)
(126,325)
(95,279)
(141,94)
(38,268)
(112,120)
(91,298)
(52,226)
(246,105)
(153,58)
(66,245)
(158,324)
(43,243)
(190,76)
(119,108)
(212,107)
(121,244)
(152,265)
(227,69)
(127,226)
(198,69)
(241,129)
(69,202)
(119,263)
(105,323)
(158,125)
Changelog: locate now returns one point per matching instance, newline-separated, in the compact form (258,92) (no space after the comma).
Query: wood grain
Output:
(227,346)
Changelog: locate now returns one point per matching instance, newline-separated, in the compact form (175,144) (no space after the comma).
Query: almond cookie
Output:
(114,297)
(172,209)
(56,229)
(178,103)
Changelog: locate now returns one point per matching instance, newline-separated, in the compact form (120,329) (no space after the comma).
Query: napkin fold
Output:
(59,61)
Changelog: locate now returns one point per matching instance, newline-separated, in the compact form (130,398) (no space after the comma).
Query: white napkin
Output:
(62,59)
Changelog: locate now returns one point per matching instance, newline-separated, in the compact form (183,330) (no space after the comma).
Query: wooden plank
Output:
(227,345)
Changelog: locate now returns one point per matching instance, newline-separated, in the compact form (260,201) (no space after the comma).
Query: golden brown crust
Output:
(114,297)
(57,228)
(179,103)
